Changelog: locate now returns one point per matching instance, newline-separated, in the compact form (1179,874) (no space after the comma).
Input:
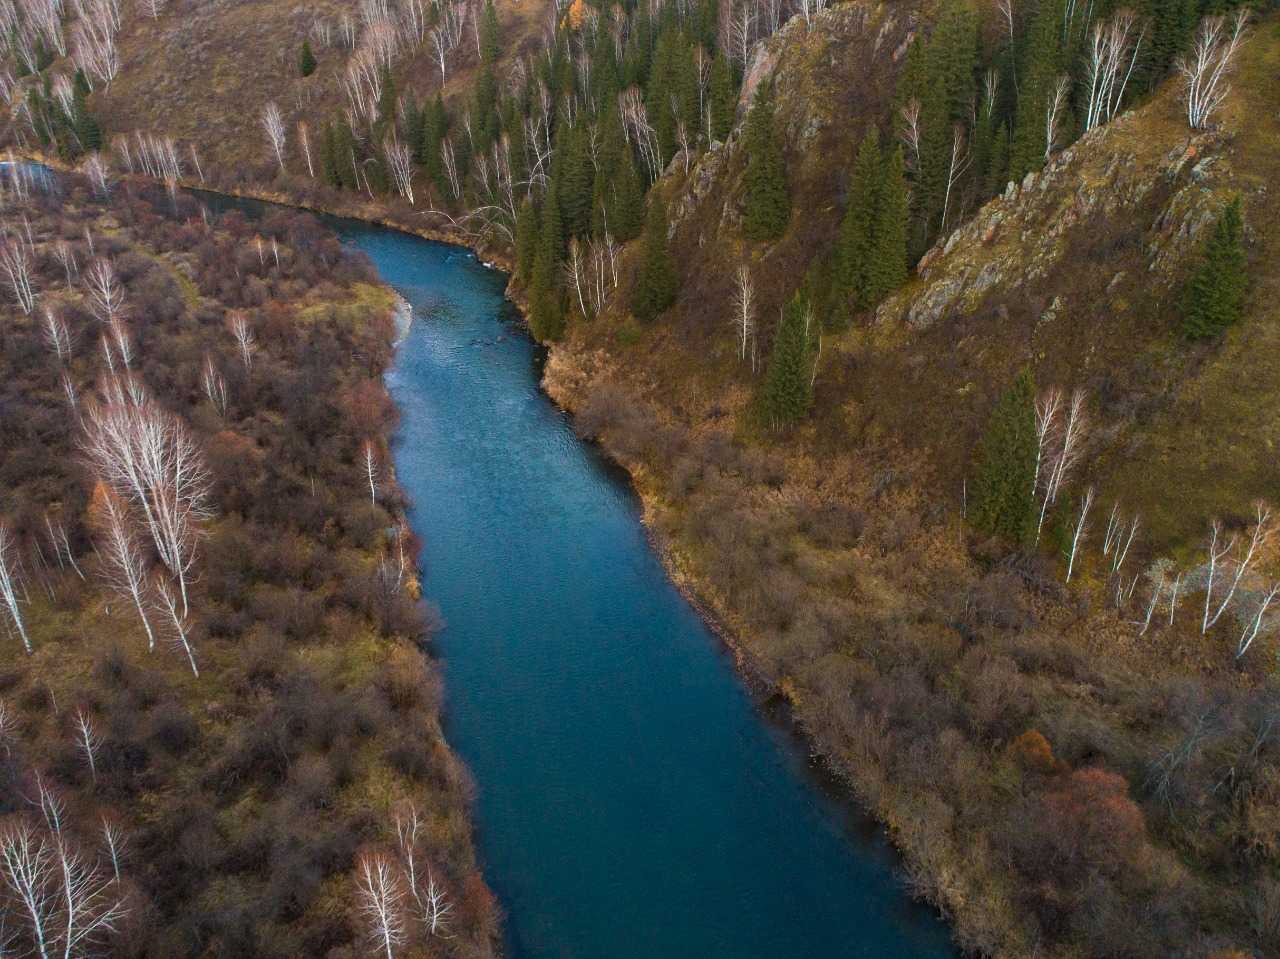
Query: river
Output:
(633,802)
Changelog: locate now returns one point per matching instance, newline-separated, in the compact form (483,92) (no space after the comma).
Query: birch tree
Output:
(56,335)
(215,387)
(87,741)
(273,125)
(116,842)
(17,266)
(1220,549)
(1110,59)
(11,583)
(243,333)
(400,163)
(148,456)
(380,901)
(1205,68)
(106,295)
(1055,110)
(29,870)
(1250,632)
(178,621)
(744,313)
(1078,534)
(124,565)
(372,471)
(304,140)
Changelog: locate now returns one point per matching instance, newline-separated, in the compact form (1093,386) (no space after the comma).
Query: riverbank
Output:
(564,382)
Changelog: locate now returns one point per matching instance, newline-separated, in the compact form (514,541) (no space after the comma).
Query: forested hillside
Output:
(940,339)
(218,735)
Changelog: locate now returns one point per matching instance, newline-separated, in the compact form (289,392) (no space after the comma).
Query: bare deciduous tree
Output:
(273,124)
(116,842)
(215,387)
(56,334)
(8,727)
(1079,530)
(1205,68)
(123,563)
(1250,632)
(1055,109)
(87,741)
(372,469)
(29,869)
(1110,59)
(243,333)
(1219,552)
(304,139)
(17,264)
(178,620)
(11,583)
(400,163)
(381,902)
(744,314)
(147,455)
(106,295)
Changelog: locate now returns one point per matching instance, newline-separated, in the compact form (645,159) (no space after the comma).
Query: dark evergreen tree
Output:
(767,200)
(1172,24)
(1216,291)
(435,124)
(1002,500)
(787,392)
(939,77)
(485,112)
(328,157)
(857,244)
(387,107)
(307,61)
(723,98)
(1043,63)
(889,253)
(657,282)
(546,316)
(626,215)
(526,239)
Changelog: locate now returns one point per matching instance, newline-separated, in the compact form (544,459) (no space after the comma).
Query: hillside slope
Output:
(1063,780)
(970,697)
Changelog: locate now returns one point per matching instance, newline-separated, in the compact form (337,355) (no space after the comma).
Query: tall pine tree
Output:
(787,392)
(307,61)
(767,200)
(1003,492)
(657,282)
(1216,291)
(723,98)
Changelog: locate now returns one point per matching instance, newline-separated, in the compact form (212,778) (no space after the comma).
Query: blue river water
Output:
(633,802)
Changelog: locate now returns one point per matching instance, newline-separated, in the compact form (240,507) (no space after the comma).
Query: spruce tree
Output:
(546,317)
(656,285)
(787,392)
(768,203)
(1216,291)
(889,255)
(857,244)
(307,61)
(723,99)
(435,124)
(526,239)
(626,215)
(551,228)
(939,76)
(1003,492)
(485,109)
(1042,64)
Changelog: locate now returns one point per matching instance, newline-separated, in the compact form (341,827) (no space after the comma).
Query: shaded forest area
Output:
(271,776)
